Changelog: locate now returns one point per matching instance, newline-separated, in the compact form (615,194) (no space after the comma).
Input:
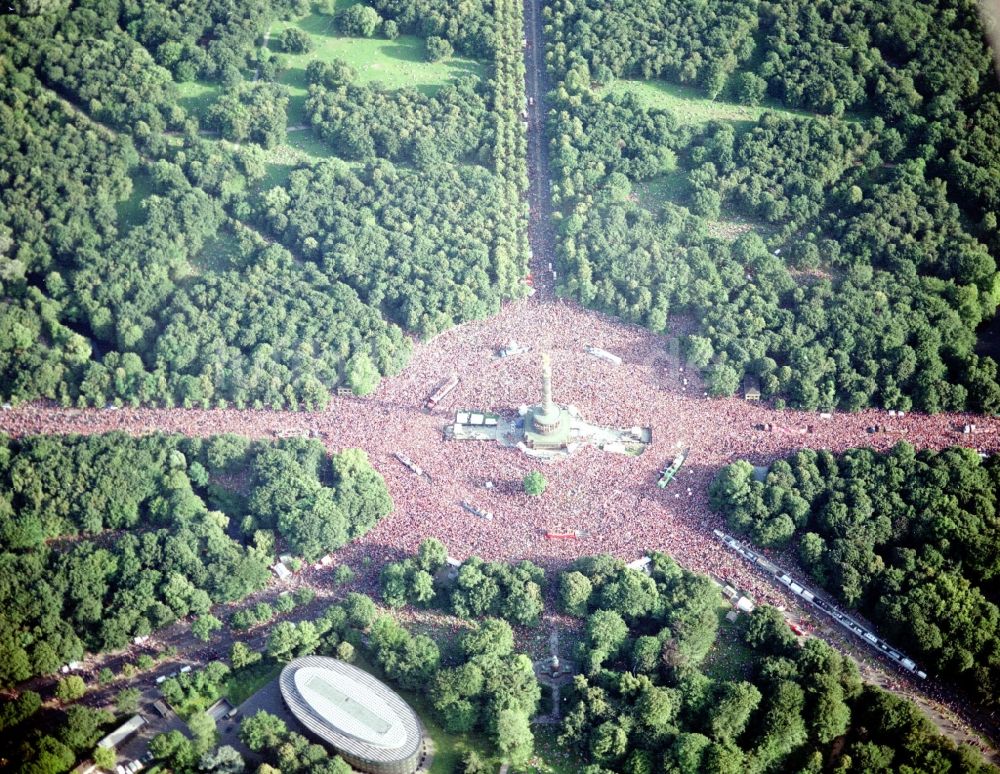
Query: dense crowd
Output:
(611,499)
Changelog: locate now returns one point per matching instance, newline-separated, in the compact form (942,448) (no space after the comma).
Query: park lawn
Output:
(218,253)
(731,228)
(449,749)
(302,147)
(729,657)
(672,187)
(666,187)
(727,660)
(690,106)
(196,97)
(130,212)
(395,63)
(550,758)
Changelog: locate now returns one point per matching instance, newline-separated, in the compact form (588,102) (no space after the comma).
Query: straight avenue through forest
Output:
(543,260)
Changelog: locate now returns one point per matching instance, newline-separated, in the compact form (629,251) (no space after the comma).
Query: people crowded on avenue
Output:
(609,501)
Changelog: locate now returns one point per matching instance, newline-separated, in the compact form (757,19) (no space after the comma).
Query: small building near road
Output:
(281,571)
(123,732)
(449,571)
(219,710)
(642,565)
(745,604)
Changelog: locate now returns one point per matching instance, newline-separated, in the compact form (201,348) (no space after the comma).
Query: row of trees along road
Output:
(141,261)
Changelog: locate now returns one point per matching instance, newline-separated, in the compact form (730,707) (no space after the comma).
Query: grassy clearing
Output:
(672,187)
(302,147)
(130,212)
(729,657)
(669,187)
(731,228)
(449,749)
(196,97)
(549,757)
(394,63)
(690,106)
(217,254)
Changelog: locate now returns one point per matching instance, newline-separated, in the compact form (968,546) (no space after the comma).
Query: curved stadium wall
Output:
(363,719)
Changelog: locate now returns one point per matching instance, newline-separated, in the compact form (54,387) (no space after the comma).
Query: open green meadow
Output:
(218,253)
(666,187)
(673,187)
(729,657)
(690,106)
(130,213)
(196,97)
(303,147)
(394,63)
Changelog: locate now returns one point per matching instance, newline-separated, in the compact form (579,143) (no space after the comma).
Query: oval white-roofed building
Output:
(364,720)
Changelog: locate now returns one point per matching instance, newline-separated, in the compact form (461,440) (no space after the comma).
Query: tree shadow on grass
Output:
(294,77)
(198,101)
(406,51)
(296,111)
(462,67)
(318,24)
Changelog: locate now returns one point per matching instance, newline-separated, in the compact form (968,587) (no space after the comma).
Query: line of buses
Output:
(846,621)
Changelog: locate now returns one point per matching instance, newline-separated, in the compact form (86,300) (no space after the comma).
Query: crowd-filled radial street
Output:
(611,499)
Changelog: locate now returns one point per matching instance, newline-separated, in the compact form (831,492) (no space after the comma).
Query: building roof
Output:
(350,710)
(281,571)
(220,709)
(641,565)
(123,732)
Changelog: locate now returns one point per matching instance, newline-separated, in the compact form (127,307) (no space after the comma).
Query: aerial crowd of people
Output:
(610,500)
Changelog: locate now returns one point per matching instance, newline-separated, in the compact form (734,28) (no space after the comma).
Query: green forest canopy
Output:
(196,294)
(655,695)
(106,537)
(877,262)
(911,539)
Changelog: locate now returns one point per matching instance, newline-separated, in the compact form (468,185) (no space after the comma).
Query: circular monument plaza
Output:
(610,502)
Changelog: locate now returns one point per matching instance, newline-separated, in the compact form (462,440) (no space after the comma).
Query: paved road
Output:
(540,233)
